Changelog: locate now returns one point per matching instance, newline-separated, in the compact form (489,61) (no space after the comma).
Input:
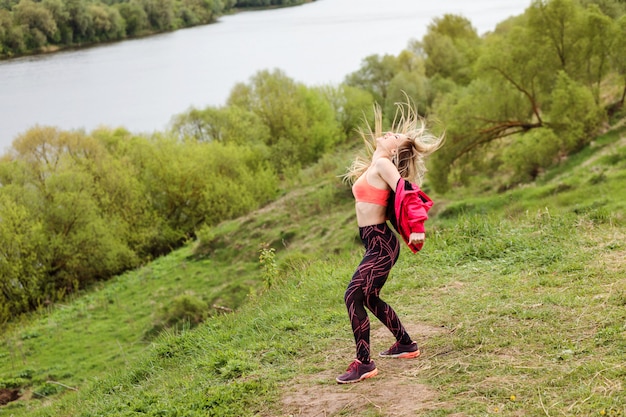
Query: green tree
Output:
(528,154)
(597,43)
(61,17)
(229,125)
(6,29)
(409,79)
(374,76)
(192,183)
(557,24)
(301,121)
(449,48)
(13,42)
(505,100)
(135,17)
(618,58)
(107,23)
(613,8)
(524,84)
(351,106)
(574,114)
(118,190)
(37,21)
(245,183)
(194,12)
(160,14)
(80,21)
(86,246)
(82,242)
(22,259)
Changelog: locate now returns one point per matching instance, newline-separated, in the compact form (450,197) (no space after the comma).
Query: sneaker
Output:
(398,350)
(358,371)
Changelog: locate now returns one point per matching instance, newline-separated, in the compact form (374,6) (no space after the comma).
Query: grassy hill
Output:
(518,302)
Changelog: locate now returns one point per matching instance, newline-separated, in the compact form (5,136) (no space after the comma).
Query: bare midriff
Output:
(368,214)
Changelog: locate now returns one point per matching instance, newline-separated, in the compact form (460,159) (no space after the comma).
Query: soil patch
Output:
(8,394)
(394,392)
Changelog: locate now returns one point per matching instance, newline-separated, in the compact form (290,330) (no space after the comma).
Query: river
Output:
(140,84)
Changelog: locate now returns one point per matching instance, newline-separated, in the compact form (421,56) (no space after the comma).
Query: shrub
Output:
(185,310)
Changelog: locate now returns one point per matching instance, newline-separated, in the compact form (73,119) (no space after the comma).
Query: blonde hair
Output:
(411,154)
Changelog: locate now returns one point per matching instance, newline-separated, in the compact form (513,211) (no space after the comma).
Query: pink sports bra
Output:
(366,193)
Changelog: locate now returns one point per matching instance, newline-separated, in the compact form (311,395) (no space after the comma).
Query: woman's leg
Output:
(383,311)
(382,250)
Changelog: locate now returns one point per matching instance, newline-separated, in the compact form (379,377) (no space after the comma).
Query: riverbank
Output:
(10,43)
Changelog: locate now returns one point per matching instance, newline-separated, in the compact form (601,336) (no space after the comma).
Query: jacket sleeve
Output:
(417,212)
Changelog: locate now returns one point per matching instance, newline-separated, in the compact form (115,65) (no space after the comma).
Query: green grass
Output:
(518,302)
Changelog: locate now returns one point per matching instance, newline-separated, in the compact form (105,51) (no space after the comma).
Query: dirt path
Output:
(395,392)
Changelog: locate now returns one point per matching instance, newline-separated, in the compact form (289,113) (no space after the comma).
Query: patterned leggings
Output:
(381,253)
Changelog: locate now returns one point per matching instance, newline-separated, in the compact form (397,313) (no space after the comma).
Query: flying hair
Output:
(411,154)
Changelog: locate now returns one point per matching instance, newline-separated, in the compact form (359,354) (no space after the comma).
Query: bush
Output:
(185,310)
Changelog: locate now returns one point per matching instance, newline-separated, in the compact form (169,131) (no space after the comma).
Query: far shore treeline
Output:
(77,207)
(31,26)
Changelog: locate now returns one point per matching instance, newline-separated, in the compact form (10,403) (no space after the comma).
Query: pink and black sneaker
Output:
(357,372)
(400,351)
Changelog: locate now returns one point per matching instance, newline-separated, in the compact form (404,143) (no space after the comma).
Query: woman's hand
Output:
(416,238)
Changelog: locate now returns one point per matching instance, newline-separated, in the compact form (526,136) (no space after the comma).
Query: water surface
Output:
(140,84)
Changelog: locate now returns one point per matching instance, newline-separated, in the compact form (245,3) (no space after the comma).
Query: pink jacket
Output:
(410,211)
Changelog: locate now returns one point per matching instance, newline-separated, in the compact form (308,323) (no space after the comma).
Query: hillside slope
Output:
(517,302)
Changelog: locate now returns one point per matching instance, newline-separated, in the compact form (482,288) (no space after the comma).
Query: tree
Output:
(526,80)
(83,241)
(506,99)
(37,21)
(86,245)
(409,79)
(80,21)
(351,105)
(598,36)
(613,8)
(374,76)
(300,120)
(135,17)
(107,23)
(194,12)
(527,154)
(61,17)
(574,114)
(11,37)
(160,14)
(618,58)
(449,48)
(192,183)
(229,125)
(118,189)
(557,24)
(22,259)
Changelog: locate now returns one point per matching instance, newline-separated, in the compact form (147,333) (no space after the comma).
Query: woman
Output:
(388,178)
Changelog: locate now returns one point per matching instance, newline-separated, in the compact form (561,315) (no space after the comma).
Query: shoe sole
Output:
(403,355)
(364,376)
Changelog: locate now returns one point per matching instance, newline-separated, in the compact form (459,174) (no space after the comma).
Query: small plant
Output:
(267,259)
(47,389)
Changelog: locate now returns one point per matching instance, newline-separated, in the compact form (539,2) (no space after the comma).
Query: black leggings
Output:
(381,253)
